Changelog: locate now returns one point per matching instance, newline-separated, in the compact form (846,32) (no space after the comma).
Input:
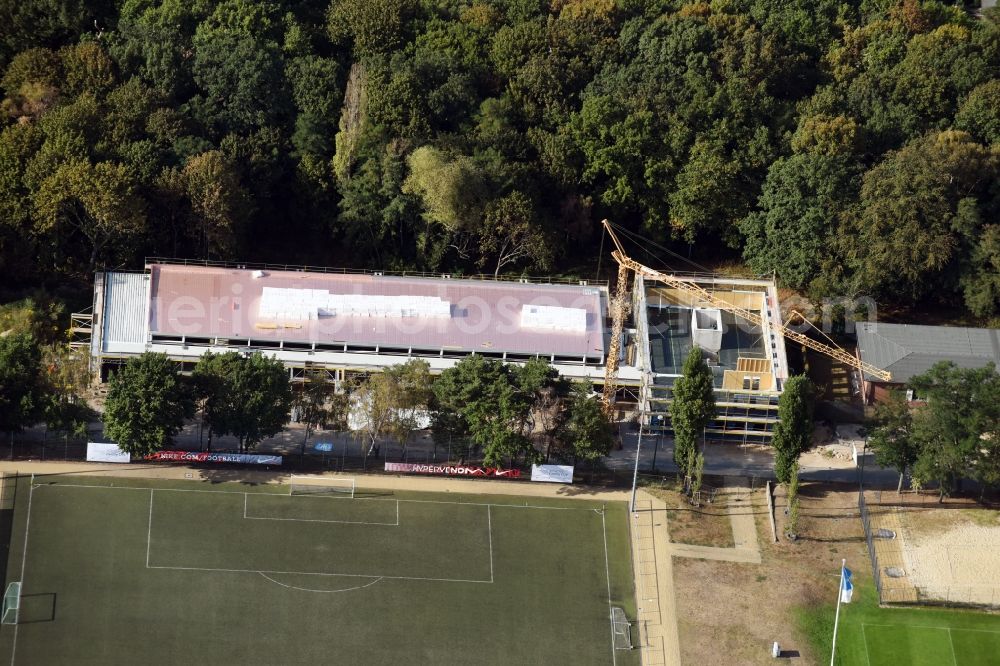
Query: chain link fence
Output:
(890,568)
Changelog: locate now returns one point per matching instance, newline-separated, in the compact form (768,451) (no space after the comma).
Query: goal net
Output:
(11,603)
(621,629)
(315,485)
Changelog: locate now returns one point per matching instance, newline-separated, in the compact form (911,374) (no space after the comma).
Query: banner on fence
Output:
(206,457)
(453,470)
(552,473)
(106,452)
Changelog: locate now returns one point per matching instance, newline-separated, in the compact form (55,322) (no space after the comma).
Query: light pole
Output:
(635,472)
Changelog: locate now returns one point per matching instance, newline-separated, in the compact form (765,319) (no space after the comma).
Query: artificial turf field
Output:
(160,572)
(874,636)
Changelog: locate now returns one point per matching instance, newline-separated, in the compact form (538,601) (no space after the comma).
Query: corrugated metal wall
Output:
(125,308)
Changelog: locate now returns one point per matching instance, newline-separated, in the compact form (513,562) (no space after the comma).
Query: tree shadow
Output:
(247,477)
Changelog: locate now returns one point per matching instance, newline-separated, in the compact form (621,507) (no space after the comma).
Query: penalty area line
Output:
(321,573)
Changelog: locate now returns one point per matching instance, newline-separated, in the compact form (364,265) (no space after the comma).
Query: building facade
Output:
(748,365)
(345,322)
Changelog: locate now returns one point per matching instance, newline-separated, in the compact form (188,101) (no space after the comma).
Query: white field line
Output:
(24,561)
(321,573)
(360,499)
(607,571)
(864,641)
(307,589)
(951,644)
(929,626)
(149,529)
(289,573)
(318,520)
(489,506)
(489,524)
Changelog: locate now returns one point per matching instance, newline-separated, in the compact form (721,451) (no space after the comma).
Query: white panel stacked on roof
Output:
(387,306)
(303,304)
(553,318)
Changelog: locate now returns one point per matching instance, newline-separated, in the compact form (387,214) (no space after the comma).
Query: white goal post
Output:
(621,629)
(321,485)
(11,603)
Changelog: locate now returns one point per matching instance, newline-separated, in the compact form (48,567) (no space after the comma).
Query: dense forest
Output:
(850,147)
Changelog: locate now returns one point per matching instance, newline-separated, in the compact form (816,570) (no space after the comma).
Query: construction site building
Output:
(749,365)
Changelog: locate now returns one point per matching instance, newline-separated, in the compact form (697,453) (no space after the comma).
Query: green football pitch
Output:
(156,572)
(870,635)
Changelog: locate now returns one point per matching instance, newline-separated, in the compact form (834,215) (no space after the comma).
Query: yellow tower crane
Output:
(619,309)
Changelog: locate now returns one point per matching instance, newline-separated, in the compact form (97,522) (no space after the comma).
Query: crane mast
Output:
(619,310)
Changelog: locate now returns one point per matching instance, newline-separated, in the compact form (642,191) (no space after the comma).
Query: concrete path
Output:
(747,548)
(654,575)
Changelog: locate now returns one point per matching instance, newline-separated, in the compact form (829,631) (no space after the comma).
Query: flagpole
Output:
(836,620)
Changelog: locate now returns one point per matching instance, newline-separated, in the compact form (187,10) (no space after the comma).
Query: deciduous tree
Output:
(22,393)
(892,436)
(247,396)
(146,405)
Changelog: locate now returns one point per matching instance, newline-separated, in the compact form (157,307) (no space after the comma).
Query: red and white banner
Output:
(453,470)
(207,457)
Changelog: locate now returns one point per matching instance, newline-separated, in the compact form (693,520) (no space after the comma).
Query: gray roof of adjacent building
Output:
(906,350)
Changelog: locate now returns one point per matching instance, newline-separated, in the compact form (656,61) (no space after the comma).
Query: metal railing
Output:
(295,268)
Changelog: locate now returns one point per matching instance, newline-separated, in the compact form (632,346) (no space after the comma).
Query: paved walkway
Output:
(746,547)
(654,575)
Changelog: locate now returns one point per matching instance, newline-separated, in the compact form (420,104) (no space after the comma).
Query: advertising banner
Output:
(106,452)
(453,470)
(206,457)
(552,473)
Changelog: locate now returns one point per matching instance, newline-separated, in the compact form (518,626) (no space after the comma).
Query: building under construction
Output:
(747,360)
(342,322)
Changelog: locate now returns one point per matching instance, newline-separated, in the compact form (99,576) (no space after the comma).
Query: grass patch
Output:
(707,525)
(142,573)
(873,636)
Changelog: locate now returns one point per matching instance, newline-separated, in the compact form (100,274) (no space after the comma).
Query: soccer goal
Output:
(621,629)
(11,603)
(325,485)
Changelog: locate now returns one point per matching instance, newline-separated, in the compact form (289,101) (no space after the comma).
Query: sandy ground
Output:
(953,555)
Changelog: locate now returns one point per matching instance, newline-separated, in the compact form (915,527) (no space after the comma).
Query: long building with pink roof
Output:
(348,321)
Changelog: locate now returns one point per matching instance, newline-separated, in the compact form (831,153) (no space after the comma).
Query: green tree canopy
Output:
(956,428)
(794,430)
(146,405)
(588,434)
(892,435)
(691,409)
(246,396)
(22,392)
